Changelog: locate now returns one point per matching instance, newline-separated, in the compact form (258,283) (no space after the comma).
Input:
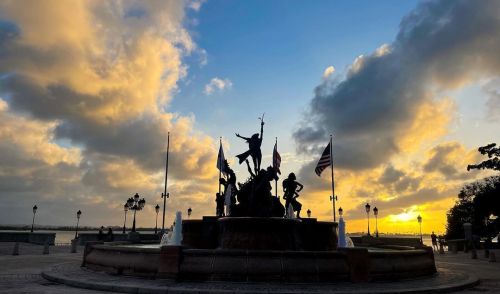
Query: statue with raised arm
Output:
(254,143)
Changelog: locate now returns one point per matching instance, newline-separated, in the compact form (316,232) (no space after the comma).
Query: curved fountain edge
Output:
(176,262)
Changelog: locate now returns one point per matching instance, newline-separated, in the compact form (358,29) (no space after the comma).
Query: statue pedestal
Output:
(260,233)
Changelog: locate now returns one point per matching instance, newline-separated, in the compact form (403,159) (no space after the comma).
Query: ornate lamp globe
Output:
(35,208)
(419,218)
(341,211)
(157,208)
(125,207)
(375,211)
(79,213)
(367,208)
(309,213)
(189,211)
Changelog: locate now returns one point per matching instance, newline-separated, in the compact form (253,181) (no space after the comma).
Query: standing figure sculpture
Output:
(290,188)
(254,143)
(219,200)
(230,189)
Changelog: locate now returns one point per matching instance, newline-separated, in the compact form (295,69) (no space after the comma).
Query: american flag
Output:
(324,161)
(276,159)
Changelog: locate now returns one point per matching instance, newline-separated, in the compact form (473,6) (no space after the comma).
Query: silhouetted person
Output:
(434,241)
(290,186)
(100,234)
(110,235)
(219,200)
(254,144)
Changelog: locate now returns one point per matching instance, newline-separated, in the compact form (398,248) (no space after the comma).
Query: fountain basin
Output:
(261,249)
(346,264)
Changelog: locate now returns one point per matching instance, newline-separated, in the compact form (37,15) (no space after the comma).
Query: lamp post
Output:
(125,209)
(33,222)
(309,213)
(419,219)
(78,214)
(157,209)
(375,213)
(367,208)
(189,212)
(135,204)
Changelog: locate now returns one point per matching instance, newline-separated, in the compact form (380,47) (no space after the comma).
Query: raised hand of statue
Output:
(237,135)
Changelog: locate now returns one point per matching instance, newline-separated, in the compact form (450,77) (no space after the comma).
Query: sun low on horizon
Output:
(90,92)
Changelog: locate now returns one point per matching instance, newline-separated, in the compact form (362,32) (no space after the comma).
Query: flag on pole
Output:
(324,161)
(221,160)
(276,159)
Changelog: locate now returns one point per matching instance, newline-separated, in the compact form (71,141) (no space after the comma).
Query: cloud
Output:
(87,87)
(440,45)
(217,84)
(196,4)
(328,72)
(492,89)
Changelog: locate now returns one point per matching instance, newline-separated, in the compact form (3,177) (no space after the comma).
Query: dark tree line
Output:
(477,201)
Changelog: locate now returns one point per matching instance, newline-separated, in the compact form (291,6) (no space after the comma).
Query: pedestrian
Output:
(434,242)
(100,234)
(110,235)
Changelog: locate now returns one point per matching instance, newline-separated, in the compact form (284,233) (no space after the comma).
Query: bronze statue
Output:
(254,143)
(230,189)
(291,194)
(219,200)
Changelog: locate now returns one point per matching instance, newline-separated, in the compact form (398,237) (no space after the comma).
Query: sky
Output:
(90,89)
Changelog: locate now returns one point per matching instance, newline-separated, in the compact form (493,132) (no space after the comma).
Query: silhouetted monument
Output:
(290,186)
(254,143)
(219,200)
(230,189)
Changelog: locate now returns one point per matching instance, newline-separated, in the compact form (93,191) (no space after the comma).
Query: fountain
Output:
(256,241)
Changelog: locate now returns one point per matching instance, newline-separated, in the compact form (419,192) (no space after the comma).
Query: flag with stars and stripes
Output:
(276,159)
(324,161)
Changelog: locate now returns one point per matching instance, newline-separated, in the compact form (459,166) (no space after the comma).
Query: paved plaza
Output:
(22,274)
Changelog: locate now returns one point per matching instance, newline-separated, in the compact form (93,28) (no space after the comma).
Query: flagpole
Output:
(275,180)
(165,195)
(333,183)
(220,163)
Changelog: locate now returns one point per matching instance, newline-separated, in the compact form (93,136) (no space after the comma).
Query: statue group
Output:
(254,198)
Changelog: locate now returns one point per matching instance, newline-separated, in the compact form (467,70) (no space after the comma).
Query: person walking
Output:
(434,242)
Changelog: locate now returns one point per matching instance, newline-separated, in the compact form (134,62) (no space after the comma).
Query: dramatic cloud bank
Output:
(391,107)
(388,96)
(85,85)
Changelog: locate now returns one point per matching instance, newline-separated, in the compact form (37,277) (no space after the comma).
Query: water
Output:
(65,237)
(62,237)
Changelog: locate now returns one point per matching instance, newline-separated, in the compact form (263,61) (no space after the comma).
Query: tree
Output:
(478,200)
(493,161)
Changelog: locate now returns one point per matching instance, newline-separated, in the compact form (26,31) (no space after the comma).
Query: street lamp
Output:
(189,212)
(375,213)
(309,213)
(135,204)
(78,214)
(157,209)
(33,222)
(419,219)
(341,212)
(125,209)
(367,208)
